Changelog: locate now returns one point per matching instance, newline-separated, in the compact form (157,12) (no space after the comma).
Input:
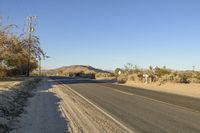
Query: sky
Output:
(110,33)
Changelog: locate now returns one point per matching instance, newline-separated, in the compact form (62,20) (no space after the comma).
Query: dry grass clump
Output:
(3,72)
(123,78)
(103,75)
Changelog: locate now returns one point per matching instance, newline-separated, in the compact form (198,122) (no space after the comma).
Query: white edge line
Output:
(123,92)
(130,94)
(116,121)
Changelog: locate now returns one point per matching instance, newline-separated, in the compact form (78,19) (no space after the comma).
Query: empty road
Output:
(138,109)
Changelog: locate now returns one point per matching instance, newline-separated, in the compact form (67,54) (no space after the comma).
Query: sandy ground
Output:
(191,90)
(42,114)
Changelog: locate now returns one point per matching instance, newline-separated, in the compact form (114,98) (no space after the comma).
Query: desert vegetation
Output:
(160,75)
(14,51)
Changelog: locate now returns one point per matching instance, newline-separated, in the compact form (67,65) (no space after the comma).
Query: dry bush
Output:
(103,75)
(3,73)
(122,79)
(184,79)
(13,51)
(162,81)
(131,78)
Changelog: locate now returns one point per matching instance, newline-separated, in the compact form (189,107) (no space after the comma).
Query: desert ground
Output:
(191,90)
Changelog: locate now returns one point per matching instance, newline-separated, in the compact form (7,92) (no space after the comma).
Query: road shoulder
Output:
(42,114)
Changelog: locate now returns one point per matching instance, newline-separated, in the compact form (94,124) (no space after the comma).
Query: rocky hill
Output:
(78,71)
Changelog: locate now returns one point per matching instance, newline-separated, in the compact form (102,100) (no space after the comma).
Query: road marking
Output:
(101,110)
(127,93)
(177,106)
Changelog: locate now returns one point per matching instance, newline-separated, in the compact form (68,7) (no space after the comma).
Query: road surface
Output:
(139,110)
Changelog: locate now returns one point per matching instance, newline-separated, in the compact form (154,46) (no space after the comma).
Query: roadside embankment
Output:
(42,113)
(13,99)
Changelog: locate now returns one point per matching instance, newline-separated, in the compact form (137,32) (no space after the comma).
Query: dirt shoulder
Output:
(191,90)
(13,99)
(42,114)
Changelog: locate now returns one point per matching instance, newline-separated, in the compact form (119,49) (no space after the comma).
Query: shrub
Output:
(117,70)
(3,73)
(184,79)
(162,80)
(122,79)
(132,78)
(161,71)
(140,76)
(195,80)
(104,75)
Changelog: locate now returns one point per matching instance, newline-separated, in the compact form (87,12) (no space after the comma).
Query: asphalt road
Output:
(141,110)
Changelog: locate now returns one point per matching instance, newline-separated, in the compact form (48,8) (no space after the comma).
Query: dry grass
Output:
(8,84)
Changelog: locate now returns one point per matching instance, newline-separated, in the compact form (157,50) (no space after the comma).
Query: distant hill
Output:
(78,70)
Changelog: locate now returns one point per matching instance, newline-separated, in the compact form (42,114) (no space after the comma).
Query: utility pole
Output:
(40,66)
(30,30)
(193,68)
(193,73)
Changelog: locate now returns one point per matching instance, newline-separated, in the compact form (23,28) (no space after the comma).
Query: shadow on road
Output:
(70,80)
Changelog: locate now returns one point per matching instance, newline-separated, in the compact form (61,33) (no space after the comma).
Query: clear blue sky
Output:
(109,33)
